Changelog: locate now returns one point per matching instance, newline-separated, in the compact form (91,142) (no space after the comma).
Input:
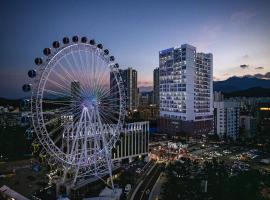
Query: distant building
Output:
(12,119)
(156,86)
(218,96)
(186,91)
(145,98)
(129,78)
(248,124)
(226,119)
(263,115)
(149,113)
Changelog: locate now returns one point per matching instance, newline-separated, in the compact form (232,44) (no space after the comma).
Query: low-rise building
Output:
(226,119)
(248,124)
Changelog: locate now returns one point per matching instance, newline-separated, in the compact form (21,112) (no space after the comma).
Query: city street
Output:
(145,187)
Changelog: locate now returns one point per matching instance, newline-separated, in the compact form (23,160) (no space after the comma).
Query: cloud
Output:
(242,16)
(145,88)
(259,68)
(216,78)
(244,66)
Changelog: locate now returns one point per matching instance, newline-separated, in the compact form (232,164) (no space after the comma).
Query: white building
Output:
(226,119)
(218,96)
(186,91)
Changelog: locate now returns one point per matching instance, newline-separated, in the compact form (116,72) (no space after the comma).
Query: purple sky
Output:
(236,32)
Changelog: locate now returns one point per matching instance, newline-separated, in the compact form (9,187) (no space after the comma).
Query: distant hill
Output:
(234,84)
(10,102)
(145,88)
(251,92)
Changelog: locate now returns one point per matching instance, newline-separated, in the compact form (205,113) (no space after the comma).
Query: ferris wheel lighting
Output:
(74,106)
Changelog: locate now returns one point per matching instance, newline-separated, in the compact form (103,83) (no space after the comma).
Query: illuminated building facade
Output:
(129,78)
(156,86)
(227,119)
(134,141)
(186,91)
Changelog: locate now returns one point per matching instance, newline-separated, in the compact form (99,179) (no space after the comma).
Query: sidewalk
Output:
(156,191)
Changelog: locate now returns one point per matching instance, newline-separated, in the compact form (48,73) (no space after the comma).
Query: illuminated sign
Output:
(265,108)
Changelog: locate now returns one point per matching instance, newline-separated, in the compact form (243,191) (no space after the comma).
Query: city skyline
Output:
(218,27)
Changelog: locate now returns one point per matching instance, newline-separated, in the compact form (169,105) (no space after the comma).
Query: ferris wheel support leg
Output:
(65,174)
(75,146)
(107,152)
(109,163)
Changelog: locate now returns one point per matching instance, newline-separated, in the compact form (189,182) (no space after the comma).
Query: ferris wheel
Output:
(77,106)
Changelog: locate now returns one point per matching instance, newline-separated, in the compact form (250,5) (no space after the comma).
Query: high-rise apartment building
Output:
(156,86)
(129,78)
(186,91)
(227,119)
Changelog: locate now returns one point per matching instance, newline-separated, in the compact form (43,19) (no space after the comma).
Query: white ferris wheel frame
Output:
(57,156)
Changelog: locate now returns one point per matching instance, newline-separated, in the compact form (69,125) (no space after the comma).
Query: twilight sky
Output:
(237,32)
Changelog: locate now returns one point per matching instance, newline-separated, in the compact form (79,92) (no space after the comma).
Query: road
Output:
(148,182)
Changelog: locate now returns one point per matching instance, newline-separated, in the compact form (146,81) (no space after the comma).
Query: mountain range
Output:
(233,86)
(235,83)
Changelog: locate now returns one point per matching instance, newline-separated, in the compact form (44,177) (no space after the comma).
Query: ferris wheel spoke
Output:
(70,76)
(51,133)
(100,75)
(79,68)
(59,85)
(105,113)
(106,121)
(69,65)
(75,72)
(83,70)
(88,72)
(57,93)
(64,87)
(56,103)
(51,121)
(110,91)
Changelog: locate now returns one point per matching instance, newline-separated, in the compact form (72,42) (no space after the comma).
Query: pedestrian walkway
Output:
(157,189)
